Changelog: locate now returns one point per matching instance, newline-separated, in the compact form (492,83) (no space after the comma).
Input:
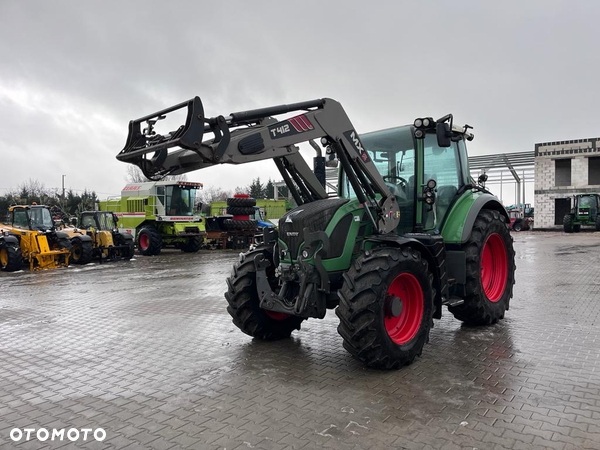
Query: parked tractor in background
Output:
(585,212)
(409,233)
(159,214)
(30,236)
(518,222)
(106,243)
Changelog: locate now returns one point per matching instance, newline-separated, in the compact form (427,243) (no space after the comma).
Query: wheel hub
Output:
(394,306)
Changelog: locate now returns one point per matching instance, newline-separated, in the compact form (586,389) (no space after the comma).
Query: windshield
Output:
(393,154)
(40,219)
(106,222)
(180,201)
(586,202)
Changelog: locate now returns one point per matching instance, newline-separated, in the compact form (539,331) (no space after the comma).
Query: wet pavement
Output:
(146,350)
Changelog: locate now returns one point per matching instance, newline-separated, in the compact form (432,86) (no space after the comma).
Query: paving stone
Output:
(146,350)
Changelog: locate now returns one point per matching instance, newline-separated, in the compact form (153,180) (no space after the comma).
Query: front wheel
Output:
(386,307)
(149,241)
(490,271)
(81,251)
(11,258)
(568,223)
(244,302)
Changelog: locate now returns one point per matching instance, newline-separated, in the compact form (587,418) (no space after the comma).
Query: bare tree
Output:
(135,175)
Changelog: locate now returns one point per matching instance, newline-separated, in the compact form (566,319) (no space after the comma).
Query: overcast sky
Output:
(73,73)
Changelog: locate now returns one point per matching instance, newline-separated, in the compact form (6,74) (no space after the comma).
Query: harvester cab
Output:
(40,245)
(408,233)
(585,211)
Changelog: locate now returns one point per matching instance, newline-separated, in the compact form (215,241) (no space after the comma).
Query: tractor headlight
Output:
(431,184)
(426,122)
(418,123)
(419,134)
(305,254)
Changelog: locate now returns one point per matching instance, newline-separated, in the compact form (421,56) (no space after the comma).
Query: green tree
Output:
(256,189)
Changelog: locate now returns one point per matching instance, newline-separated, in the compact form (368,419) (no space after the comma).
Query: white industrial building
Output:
(563,169)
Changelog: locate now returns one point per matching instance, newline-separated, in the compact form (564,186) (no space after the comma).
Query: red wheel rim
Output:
(144,241)
(405,326)
(276,315)
(494,267)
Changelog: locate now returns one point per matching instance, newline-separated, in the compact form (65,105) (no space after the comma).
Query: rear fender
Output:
(461,218)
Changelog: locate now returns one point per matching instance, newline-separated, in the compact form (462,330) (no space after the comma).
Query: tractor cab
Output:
(424,174)
(34,218)
(100,220)
(586,205)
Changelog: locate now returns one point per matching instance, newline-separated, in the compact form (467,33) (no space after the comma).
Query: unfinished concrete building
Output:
(563,169)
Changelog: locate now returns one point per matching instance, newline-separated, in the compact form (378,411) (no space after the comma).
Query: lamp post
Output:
(63,191)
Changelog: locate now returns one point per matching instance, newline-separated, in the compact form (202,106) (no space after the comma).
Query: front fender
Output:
(8,239)
(461,218)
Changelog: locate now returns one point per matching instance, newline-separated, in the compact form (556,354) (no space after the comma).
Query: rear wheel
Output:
(130,250)
(386,307)
(231,224)
(240,210)
(11,258)
(81,251)
(149,241)
(244,302)
(192,245)
(490,268)
(568,223)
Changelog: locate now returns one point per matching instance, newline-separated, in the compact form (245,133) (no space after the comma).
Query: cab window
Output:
(441,164)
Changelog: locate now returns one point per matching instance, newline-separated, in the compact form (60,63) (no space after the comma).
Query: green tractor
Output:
(409,232)
(159,214)
(585,211)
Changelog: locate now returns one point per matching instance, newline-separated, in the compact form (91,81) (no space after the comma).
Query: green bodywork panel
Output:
(454,223)
(350,251)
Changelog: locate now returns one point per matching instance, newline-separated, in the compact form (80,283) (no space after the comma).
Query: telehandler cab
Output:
(409,232)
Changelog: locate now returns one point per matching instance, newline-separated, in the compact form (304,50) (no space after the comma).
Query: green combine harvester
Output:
(409,232)
(159,214)
(585,211)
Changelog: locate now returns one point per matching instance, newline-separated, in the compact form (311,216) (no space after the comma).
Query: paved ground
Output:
(150,355)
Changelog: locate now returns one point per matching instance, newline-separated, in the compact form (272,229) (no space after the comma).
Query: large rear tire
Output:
(149,241)
(81,251)
(11,258)
(244,302)
(568,223)
(490,268)
(386,307)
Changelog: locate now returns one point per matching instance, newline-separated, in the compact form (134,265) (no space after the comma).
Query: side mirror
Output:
(482,178)
(442,131)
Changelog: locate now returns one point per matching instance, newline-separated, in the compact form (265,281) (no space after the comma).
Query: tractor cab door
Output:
(442,164)
(88,221)
(19,219)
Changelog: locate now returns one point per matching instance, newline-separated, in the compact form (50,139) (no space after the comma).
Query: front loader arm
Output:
(255,135)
